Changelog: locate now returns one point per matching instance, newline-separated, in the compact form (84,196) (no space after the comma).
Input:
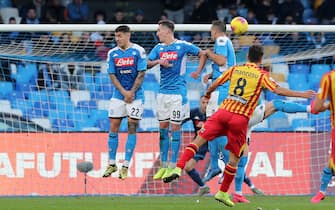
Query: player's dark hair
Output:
(123,28)
(255,53)
(167,23)
(220,25)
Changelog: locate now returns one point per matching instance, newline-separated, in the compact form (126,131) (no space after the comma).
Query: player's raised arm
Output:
(164,63)
(216,58)
(292,93)
(202,63)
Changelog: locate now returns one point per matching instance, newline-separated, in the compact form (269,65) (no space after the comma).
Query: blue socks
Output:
(325,179)
(289,107)
(195,176)
(130,146)
(164,144)
(215,146)
(247,180)
(113,143)
(240,173)
(175,144)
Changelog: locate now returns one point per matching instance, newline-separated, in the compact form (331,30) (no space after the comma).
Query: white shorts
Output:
(170,108)
(118,108)
(257,117)
(213,104)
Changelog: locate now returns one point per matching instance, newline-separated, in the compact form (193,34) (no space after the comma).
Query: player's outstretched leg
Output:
(325,179)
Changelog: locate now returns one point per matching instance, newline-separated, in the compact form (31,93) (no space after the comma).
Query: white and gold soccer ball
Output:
(239,25)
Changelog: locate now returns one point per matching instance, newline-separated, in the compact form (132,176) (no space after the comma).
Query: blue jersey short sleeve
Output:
(125,64)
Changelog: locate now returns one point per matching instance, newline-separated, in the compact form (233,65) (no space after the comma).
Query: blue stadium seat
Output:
(152,86)
(300,123)
(188,126)
(97,114)
(86,105)
(148,113)
(101,95)
(319,69)
(279,122)
(17,95)
(323,124)
(36,96)
(89,82)
(33,113)
(101,79)
(63,125)
(6,90)
(194,104)
(57,115)
(103,124)
(149,77)
(43,106)
(298,81)
(107,87)
(299,68)
(22,104)
(59,95)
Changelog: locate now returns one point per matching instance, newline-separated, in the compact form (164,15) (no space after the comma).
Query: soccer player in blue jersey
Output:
(223,57)
(198,117)
(126,66)
(171,55)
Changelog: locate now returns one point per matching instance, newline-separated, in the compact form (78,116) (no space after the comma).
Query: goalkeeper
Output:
(198,117)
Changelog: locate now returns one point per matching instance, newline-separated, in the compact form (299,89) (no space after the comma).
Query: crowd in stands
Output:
(180,11)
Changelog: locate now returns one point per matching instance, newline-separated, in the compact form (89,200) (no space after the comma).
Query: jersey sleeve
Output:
(153,55)
(222,46)
(142,60)
(324,87)
(269,83)
(110,64)
(191,48)
(225,76)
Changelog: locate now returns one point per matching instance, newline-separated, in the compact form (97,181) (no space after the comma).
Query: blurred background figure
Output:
(78,11)
(54,12)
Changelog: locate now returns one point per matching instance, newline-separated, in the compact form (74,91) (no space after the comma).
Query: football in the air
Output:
(239,25)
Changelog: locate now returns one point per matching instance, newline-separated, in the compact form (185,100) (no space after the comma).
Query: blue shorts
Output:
(200,155)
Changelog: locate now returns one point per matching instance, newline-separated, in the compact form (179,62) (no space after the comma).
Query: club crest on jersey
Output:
(170,56)
(122,62)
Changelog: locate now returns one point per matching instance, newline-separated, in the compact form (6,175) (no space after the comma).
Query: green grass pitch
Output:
(160,203)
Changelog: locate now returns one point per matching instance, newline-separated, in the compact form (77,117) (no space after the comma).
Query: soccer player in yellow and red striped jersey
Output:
(326,91)
(231,120)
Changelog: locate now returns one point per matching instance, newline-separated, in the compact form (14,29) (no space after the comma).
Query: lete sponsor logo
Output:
(124,62)
(170,56)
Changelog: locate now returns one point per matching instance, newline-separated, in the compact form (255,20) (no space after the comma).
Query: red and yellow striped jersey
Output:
(246,84)
(327,91)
